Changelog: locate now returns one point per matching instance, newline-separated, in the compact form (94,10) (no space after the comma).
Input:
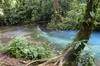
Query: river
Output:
(63,38)
(59,38)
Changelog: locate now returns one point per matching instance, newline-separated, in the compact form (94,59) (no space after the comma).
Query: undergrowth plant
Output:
(19,47)
(86,58)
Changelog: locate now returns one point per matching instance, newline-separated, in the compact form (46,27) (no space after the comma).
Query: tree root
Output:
(36,62)
(55,61)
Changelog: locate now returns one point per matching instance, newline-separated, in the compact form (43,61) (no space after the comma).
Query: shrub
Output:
(19,47)
(86,58)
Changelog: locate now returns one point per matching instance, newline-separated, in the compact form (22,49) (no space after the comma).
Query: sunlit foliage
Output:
(71,12)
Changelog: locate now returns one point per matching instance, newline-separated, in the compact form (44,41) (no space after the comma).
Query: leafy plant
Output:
(86,58)
(19,47)
(26,11)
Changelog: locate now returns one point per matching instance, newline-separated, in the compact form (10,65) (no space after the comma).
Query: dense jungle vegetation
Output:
(81,15)
(62,16)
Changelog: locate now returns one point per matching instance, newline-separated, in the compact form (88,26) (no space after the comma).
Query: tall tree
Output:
(83,35)
(56,5)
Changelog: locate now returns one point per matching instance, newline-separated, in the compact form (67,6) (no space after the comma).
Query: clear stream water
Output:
(62,38)
(59,38)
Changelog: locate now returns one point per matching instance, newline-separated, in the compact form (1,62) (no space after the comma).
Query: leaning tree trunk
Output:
(83,35)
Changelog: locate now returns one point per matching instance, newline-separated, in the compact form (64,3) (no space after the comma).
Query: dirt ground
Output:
(6,60)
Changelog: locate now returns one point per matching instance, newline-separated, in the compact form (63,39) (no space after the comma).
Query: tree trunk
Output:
(56,5)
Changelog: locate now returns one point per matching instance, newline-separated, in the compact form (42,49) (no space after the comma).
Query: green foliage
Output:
(77,44)
(25,11)
(86,58)
(56,22)
(98,15)
(16,11)
(43,11)
(77,14)
(61,26)
(19,47)
(17,15)
(74,15)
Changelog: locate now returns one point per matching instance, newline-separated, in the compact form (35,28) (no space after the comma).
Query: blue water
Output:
(95,38)
(62,38)
(68,35)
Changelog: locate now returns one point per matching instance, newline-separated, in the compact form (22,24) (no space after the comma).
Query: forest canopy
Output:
(15,12)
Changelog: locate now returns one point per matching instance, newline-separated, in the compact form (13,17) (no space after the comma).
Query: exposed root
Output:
(36,62)
(60,61)
(55,61)
(43,61)
(49,61)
